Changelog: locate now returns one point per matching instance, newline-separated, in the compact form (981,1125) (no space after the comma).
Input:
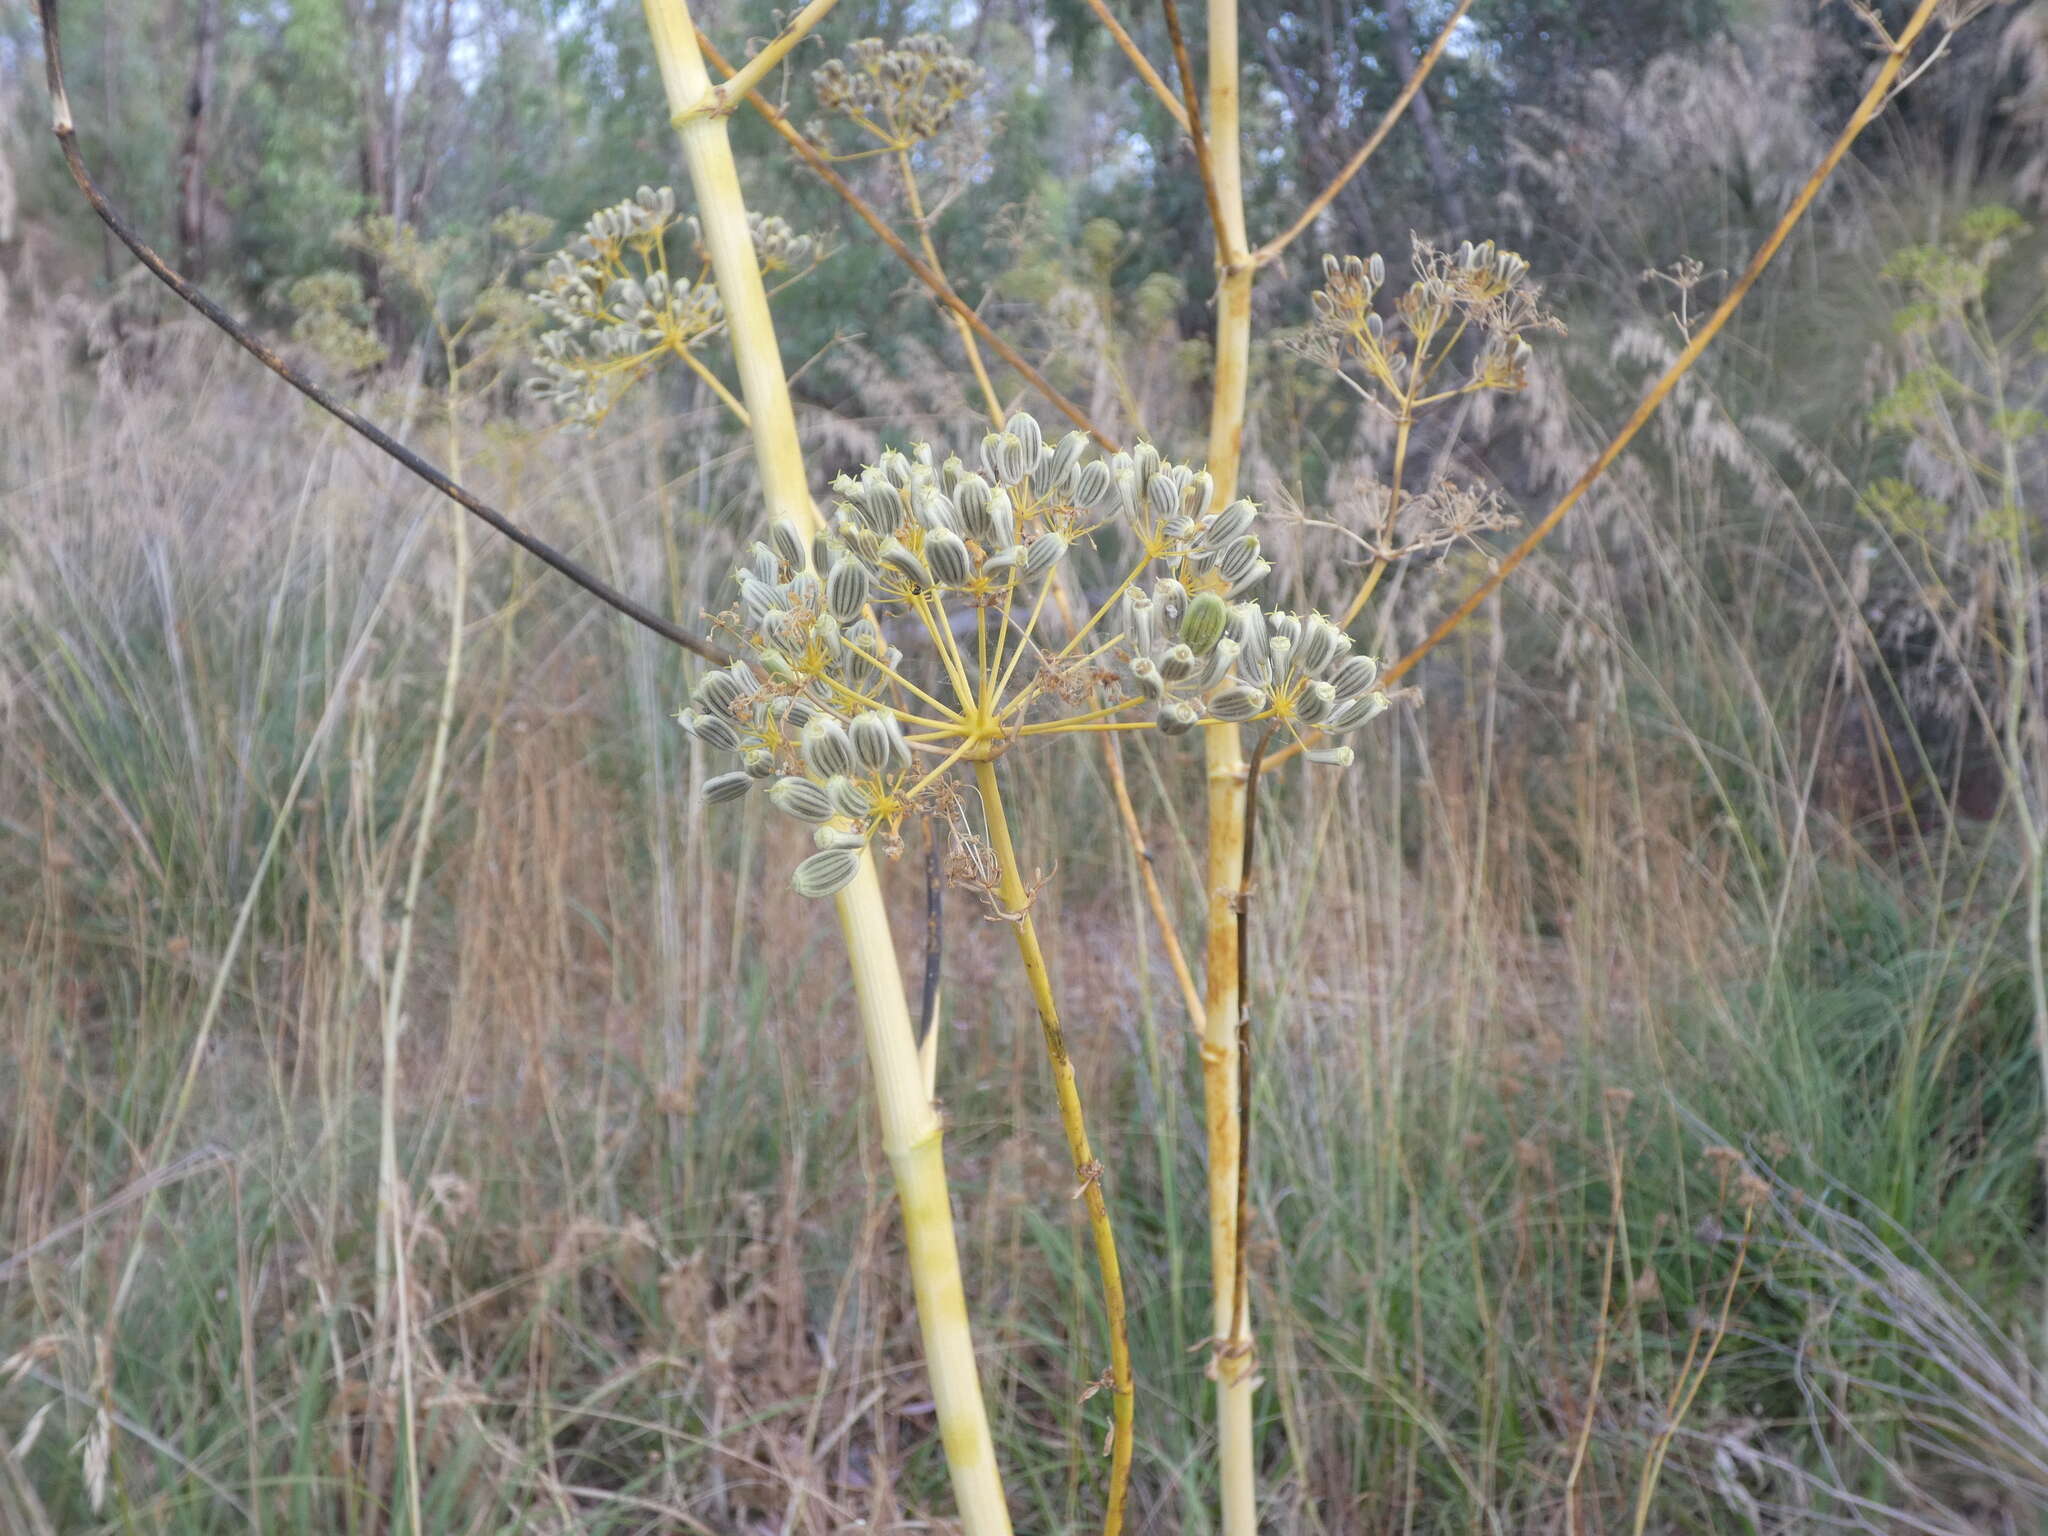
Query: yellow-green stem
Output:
(911,1129)
(1087,1168)
(1224,748)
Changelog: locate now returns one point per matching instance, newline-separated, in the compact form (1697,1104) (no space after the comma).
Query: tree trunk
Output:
(195,150)
(1442,174)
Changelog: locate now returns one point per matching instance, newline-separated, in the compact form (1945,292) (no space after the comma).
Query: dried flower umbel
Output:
(843,730)
(901,95)
(616,309)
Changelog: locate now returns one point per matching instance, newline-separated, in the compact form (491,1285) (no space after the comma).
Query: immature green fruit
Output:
(899,558)
(716,692)
(1234,521)
(827,747)
(1046,551)
(878,744)
(1202,625)
(1237,701)
(849,797)
(846,590)
(1354,676)
(826,873)
(948,558)
(802,799)
(715,731)
(1093,486)
(727,786)
(788,543)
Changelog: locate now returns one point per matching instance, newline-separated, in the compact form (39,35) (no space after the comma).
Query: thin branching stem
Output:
(1087,1168)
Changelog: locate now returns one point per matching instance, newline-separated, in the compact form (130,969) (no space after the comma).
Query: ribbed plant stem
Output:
(1237,1467)
(1087,1168)
(911,1129)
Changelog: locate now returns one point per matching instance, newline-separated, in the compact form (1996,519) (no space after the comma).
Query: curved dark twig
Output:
(377,437)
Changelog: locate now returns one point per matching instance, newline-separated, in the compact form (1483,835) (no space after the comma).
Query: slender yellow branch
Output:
(1271,250)
(1385,556)
(911,1130)
(715,384)
(1141,64)
(721,100)
(1086,1167)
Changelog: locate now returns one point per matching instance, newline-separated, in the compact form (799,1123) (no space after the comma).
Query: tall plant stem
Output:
(1086,1166)
(911,1129)
(1218,154)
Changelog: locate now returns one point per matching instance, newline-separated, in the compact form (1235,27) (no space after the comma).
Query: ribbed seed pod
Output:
(1233,522)
(1066,461)
(802,799)
(726,786)
(1145,673)
(797,714)
(932,510)
(764,561)
(838,837)
(1236,557)
(1170,600)
(760,764)
(970,496)
(1141,623)
(1016,464)
(1002,520)
(1248,628)
(946,554)
(1319,643)
(1177,717)
(897,557)
(1144,464)
(1355,675)
(715,731)
(1003,563)
(1332,757)
(1280,655)
(1045,552)
(717,691)
(1093,484)
(788,541)
(1164,493)
(894,466)
(826,873)
(1236,701)
(1176,662)
(992,457)
(1356,713)
(1316,703)
(846,590)
(1201,626)
(1202,493)
(757,598)
(874,737)
(827,747)
(1217,664)
(1258,572)
(1024,427)
(881,509)
(850,797)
